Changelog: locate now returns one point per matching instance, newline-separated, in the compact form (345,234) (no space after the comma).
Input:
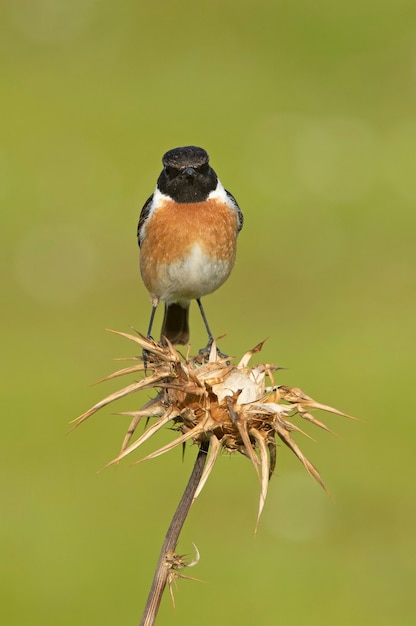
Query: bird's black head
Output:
(187,175)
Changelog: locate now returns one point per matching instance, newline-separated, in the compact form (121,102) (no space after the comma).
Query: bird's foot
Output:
(146,354)
(204,353)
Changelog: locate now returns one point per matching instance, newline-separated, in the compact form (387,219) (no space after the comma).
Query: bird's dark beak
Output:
(189,172)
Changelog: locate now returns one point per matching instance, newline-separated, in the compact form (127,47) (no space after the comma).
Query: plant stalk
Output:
(169,545)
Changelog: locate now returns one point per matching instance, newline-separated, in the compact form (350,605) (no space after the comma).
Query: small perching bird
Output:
(187,235)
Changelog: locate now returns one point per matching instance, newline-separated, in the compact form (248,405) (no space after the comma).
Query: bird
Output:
(187,234)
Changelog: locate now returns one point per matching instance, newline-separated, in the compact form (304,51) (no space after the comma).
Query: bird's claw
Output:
(204,353)
(146,354)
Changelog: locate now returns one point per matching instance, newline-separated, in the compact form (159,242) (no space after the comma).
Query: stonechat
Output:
(187,235)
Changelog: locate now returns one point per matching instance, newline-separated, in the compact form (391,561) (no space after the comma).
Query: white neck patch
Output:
(219,193)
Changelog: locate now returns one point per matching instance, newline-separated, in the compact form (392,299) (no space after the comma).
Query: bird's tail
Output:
(175,325)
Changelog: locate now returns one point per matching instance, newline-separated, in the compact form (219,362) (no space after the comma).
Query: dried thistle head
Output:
(229,406)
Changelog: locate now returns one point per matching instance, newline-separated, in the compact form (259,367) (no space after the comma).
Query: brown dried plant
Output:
(217,405)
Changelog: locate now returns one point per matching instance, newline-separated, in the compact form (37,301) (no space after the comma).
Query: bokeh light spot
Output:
(55,263)
(336,158)
(50,21)
(295,511)
(271,157)
(297,156)
(399,159)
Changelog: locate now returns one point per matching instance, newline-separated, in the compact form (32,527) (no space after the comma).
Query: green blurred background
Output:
(308,113)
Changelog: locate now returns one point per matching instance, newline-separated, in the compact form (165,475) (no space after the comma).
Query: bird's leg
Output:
(210,337)
(145,353)
(152,317)
(205,351)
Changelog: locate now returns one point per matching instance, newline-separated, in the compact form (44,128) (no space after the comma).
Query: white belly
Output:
(193,277)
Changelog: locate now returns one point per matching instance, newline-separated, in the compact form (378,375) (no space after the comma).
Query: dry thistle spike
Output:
(175,563)
(229,406)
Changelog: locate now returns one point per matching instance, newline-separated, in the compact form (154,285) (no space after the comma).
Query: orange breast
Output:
(174,228)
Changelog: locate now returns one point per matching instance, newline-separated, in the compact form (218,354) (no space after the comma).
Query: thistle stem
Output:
(169,545)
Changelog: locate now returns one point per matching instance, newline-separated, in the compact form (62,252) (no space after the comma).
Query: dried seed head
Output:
(228,405)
